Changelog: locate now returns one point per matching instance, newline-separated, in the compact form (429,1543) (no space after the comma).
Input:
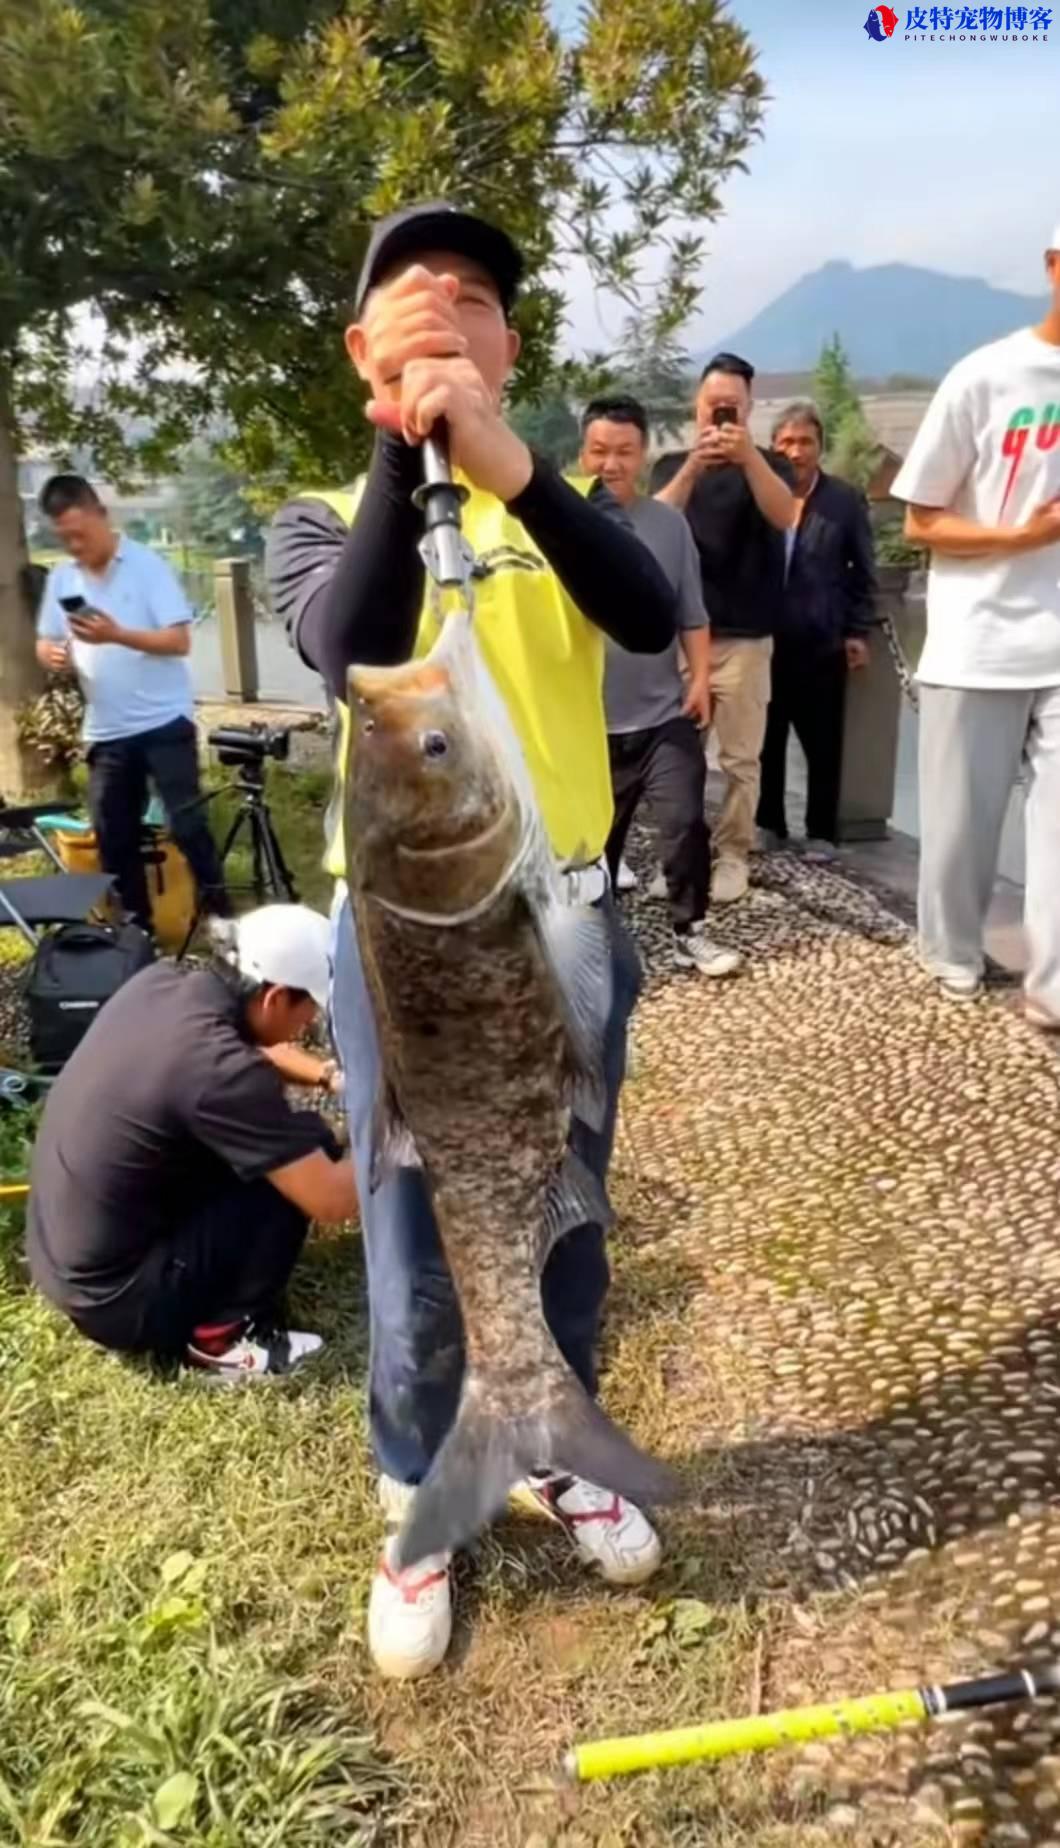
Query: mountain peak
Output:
(891,318)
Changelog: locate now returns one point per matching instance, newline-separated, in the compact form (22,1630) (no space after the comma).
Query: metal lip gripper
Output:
(444,550)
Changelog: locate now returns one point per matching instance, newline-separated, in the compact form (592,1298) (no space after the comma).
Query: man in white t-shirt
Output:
(983,483)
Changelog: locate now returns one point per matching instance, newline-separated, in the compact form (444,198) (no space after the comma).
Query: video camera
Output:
(244,745)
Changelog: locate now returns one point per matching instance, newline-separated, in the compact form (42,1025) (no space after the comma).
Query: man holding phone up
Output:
(738,502)
(117,616)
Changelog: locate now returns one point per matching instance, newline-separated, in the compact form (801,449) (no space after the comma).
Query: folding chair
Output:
(28,904)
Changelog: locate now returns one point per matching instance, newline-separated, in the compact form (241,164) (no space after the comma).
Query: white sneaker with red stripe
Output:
(607,1532)
(410,1612)
(255,1353)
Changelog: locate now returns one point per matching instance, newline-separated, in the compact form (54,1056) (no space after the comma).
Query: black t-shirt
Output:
(741,556)
(164,1103)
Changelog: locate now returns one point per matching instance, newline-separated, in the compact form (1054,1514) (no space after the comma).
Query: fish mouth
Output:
(484,839)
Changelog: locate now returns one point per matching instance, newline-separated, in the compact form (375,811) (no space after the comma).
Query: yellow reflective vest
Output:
(548,664)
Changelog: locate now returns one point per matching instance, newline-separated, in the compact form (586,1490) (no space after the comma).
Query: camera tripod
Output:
(270,875)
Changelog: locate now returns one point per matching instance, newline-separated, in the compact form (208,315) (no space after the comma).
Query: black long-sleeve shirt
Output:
(741,553)
(830,593)
(354,594)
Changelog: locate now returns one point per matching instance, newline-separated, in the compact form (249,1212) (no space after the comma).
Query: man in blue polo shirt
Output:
(117,617)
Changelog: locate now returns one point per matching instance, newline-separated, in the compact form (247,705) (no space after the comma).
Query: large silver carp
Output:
(490,997)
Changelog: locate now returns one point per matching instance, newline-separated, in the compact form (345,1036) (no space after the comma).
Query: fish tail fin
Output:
(483,1457)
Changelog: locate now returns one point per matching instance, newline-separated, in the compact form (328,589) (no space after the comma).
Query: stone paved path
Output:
(859,1184)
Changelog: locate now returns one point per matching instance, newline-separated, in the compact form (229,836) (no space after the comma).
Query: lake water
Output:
(281,675)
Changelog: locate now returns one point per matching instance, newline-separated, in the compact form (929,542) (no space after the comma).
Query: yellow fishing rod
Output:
(869,1713)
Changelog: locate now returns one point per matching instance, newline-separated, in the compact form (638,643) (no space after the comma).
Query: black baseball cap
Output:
(435,225)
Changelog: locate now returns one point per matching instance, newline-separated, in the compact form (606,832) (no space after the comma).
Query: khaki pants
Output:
(739,685)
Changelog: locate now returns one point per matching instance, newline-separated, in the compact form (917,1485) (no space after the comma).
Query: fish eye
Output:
(435,744)
(368,725)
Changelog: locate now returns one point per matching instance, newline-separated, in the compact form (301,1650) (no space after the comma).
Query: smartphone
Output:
(725,414)
(73,605)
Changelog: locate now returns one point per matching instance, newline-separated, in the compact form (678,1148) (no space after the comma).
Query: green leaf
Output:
(194,1578)
(175,1799)
(691,1622)
(167,1618)
(19,1625)
(174,1568)
(111,1716)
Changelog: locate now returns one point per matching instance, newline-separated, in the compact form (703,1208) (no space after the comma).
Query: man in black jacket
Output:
(738,503)
(828,611)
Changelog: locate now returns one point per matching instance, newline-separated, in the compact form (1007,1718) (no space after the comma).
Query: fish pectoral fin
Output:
(577,947)
(393,1146)
(575,1198)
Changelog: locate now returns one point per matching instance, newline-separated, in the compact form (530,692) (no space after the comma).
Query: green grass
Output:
(172,1580)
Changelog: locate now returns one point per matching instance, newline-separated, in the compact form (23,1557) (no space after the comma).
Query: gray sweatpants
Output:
(971,746)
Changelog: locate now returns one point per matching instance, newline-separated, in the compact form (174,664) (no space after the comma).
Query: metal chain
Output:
(906,678)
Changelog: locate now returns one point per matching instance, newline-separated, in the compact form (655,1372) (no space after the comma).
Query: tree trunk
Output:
(20,674)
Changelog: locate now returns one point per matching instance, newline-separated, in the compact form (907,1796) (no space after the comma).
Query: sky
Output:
(945,156)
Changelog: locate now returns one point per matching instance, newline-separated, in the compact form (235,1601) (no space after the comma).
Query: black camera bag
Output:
(74,970)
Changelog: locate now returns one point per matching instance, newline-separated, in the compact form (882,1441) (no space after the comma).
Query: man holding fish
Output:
(482,985)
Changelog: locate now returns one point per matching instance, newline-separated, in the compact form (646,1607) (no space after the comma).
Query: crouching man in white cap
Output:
(172,1183)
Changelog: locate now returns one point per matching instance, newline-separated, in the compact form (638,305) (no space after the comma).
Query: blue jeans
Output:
(417,1343)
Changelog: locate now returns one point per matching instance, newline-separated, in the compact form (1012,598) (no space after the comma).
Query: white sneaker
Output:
(410,1612)
(963,986)
(696,951)
(729,882)
(1041,1017)
(627,880)
(257,1353)
(607,1532)
(819,852)
(767,840)
(658,887)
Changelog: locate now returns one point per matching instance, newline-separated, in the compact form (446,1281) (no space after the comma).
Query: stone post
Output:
(235,622)
(870,727)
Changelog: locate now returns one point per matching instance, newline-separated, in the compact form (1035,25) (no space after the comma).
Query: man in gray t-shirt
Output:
(653,717)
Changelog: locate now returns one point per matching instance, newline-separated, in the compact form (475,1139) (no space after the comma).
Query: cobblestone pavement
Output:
(859,1183)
